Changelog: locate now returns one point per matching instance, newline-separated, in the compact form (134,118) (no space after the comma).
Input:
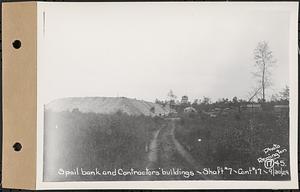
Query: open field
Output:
(91,140)
(79,144)
(235,140)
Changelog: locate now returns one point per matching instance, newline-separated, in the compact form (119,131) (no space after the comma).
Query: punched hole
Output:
(16,44)
(17,146)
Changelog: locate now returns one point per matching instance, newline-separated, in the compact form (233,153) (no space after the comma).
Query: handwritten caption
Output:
(272,163)
(273,160)
(171,172)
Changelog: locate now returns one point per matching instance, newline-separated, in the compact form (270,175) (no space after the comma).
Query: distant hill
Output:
(108,105)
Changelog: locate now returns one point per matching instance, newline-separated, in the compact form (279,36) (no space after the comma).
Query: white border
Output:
(292,7)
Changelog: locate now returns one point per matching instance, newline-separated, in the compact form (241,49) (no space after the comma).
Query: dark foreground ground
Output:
(88,147)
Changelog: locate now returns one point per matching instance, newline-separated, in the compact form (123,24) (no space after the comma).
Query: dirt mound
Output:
(108,105)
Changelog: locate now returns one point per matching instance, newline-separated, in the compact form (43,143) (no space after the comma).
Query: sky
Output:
(143,50)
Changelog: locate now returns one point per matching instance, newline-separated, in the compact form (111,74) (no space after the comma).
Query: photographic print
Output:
(165,91)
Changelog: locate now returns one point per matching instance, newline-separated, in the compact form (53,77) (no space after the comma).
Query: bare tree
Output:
(254,93)
(171,96)
(285,93)
(264,61)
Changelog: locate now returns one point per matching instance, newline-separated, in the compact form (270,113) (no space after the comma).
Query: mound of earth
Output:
(108,105)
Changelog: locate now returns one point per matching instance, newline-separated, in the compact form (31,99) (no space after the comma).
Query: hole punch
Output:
(17,44)
(17,146)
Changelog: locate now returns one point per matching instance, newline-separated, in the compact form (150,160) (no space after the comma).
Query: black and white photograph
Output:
(166,91)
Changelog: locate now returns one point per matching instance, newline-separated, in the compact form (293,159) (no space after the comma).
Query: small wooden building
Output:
(184,99)
(281,108)
(252,107)
(190,110)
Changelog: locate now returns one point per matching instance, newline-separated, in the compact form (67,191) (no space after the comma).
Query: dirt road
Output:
(167,154)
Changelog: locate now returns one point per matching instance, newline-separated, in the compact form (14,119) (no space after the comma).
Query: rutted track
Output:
(166,153)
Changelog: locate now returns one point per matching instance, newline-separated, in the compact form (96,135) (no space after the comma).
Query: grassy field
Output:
(235,140)
(90,140)
(108,141)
